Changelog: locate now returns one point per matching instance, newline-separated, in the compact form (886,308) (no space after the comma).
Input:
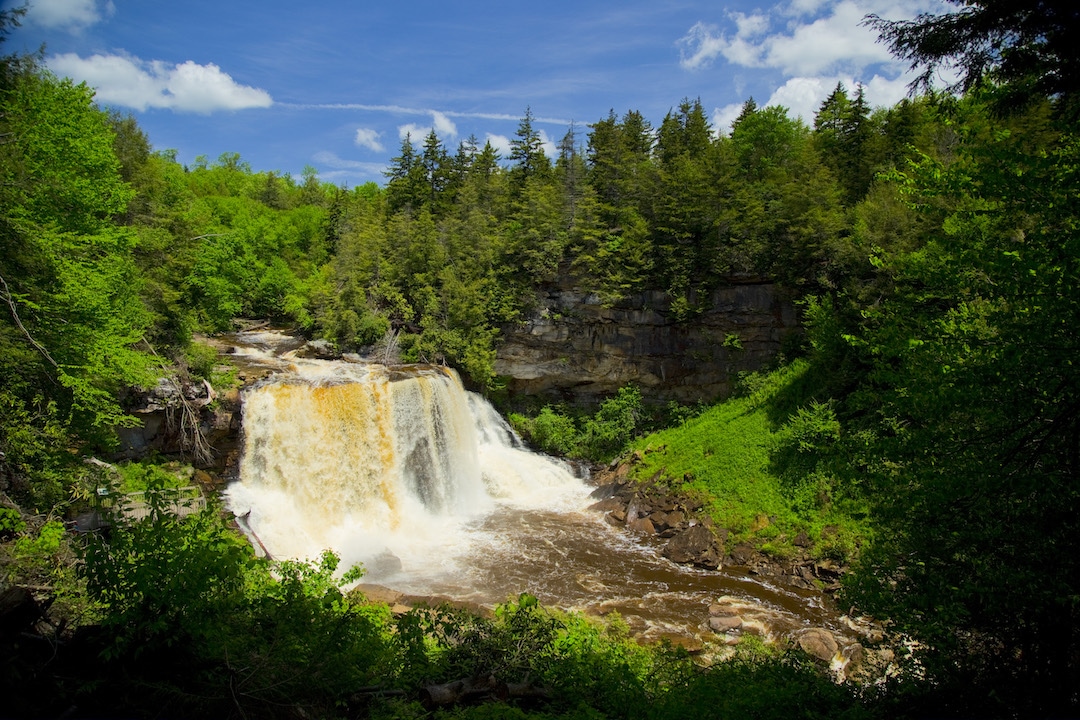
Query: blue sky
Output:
(336,84)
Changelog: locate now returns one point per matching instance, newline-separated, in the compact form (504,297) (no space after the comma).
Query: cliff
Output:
(574,348)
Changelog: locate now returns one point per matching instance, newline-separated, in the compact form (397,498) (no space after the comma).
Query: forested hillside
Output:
(936,251)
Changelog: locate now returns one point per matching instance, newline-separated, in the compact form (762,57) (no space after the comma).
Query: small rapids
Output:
(401,469)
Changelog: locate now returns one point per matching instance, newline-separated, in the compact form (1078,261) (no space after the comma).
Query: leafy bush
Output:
(614,425)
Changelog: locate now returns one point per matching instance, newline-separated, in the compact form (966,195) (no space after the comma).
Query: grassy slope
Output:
(728,457)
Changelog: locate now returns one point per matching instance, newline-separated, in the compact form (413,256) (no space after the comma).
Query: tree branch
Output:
(15,316)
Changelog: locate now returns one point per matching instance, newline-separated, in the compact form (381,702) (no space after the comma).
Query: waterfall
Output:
(388,466)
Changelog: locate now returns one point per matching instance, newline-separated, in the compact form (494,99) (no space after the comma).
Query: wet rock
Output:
(659,520)
(725,623)
(605,491)
(743,553)
(607,505)
(802,584)
(320,349)
(385,563)
(818,643)
(827,570)
(377,593)
(642,525)
(720,609)
(618,514)
(696,545)
(853,654)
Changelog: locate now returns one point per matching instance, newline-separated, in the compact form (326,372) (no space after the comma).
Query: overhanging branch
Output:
(15,316)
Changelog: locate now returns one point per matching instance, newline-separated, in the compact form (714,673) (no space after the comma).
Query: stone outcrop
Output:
(165,430)
(572,347)
(652,508)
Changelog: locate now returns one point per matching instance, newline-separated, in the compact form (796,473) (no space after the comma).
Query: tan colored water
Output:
(426,485)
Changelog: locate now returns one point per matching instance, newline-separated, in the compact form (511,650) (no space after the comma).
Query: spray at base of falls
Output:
(390,467)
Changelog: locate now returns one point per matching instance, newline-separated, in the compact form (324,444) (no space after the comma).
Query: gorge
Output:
(401,469)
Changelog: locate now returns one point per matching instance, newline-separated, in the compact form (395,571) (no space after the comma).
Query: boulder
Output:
(604,491)
(642,525)
(818,643)
(607,505)
(659,520)
(725,623)
(696,545)
(320,349)
(743,553)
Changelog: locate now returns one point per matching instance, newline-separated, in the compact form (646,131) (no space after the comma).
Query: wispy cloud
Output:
(70,15)
(401,110)
(335,169)
(368,138)
(134,83)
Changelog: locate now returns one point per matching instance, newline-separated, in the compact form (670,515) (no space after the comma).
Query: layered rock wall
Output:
(574,348)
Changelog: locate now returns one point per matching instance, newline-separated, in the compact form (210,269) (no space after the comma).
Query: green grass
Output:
(733,457)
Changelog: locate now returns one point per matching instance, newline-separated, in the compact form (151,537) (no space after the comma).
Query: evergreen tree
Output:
(527,151)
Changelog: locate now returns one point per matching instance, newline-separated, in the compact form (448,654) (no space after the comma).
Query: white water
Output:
(383,466)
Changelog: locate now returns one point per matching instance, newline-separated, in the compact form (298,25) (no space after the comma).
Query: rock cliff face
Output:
(574,348)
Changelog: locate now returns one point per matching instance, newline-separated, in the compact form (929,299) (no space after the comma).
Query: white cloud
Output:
(804,7)
(187,87)
(837,40)
(501,143)
(548,144)
(368,138)
(723,117)
(703,46)
(443,126)
(802,96)
(70,15)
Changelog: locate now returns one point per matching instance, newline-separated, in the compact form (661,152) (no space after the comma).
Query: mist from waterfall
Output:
(391,467)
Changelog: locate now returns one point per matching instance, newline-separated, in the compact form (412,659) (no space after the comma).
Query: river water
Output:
(404,471)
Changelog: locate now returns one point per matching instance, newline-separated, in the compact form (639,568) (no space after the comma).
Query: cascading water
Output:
(381,464)
(426,485)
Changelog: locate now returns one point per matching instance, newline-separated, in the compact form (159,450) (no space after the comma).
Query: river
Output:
(404,471)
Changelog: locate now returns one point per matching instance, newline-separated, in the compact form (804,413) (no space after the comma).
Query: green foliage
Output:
(767,454)
(614,425)
(141,476)
(598,437)
(188,608)
(68,279)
